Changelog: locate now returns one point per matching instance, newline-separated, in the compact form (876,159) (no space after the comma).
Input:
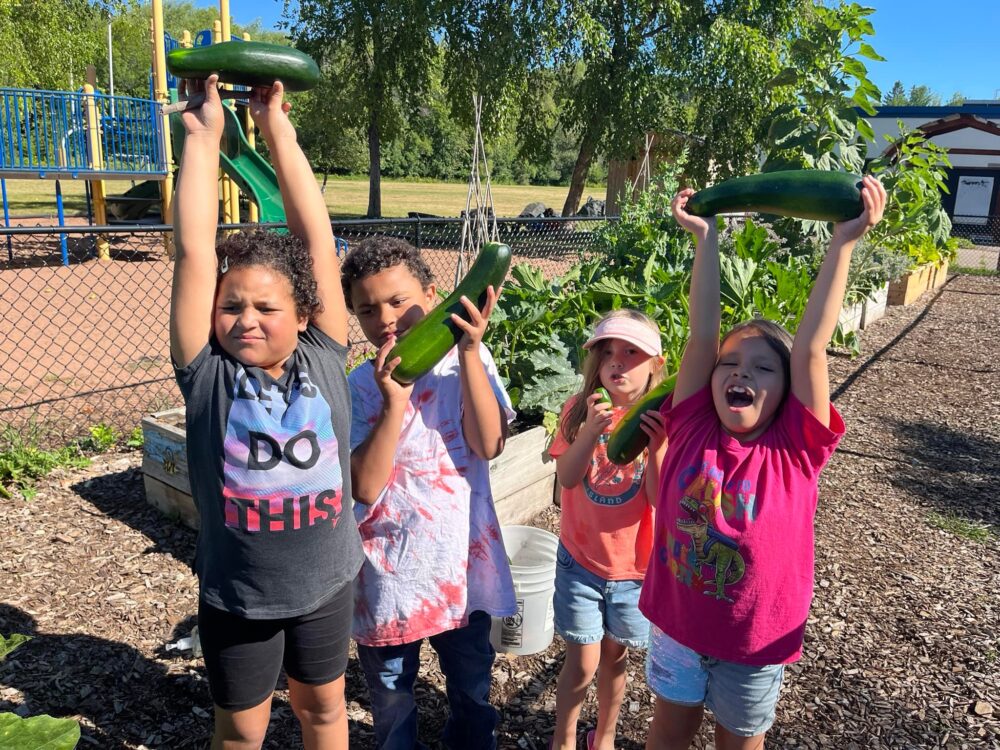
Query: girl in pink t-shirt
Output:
(750,426)
(606,530)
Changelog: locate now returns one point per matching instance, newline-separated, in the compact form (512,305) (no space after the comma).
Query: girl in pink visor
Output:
(606,530)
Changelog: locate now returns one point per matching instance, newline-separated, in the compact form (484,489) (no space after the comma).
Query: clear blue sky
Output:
(949,47)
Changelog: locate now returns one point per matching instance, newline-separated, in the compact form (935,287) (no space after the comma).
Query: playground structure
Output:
(92,136)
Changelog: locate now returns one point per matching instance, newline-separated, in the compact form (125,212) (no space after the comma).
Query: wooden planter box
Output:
(164,466)
(906,289)
(850,317)
(940,275)
(874,307)
(523,476)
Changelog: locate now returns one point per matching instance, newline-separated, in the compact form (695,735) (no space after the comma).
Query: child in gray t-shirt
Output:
(258,334)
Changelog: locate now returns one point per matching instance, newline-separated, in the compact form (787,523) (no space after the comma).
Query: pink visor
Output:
(630,330)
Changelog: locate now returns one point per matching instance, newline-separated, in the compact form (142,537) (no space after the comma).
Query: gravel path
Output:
(901,649)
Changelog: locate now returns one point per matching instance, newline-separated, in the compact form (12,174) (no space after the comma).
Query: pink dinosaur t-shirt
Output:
(731,574)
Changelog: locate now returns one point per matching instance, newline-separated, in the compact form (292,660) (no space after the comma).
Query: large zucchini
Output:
(801,193)
(426,343)
(628,440)
(246,64)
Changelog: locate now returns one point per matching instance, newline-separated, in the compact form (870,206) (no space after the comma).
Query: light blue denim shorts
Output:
(741,697)
(588,607)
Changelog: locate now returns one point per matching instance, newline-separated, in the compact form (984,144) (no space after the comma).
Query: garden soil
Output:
(901,647)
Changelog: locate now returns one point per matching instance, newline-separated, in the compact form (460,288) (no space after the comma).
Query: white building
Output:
(971,134)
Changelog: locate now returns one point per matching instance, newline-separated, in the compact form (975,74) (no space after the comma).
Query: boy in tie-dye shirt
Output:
(435,563)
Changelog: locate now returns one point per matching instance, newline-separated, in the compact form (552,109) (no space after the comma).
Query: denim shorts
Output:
(588,607)
(742,697)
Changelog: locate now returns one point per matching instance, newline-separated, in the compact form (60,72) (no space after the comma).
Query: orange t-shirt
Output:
(607,521)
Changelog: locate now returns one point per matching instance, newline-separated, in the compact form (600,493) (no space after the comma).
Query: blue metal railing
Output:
(44,134)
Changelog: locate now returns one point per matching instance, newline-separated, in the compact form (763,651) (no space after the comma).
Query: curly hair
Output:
(374,255)
(282,253)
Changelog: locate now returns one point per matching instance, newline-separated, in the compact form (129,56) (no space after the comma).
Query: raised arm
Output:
(373,460)
(483,422)
(196,214)
(572,466)
(305,209)
(809,374)
(704,306)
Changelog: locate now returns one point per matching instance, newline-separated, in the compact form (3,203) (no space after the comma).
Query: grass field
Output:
(345,197)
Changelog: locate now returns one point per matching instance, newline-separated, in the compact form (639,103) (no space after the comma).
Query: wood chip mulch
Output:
(902,648)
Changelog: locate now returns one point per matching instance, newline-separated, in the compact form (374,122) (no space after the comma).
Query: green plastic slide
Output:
(248,169)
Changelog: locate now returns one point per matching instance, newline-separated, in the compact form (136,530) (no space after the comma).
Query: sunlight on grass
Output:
(346,198)
(973,530)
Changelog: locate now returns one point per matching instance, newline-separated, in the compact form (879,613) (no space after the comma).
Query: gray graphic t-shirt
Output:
(269,461)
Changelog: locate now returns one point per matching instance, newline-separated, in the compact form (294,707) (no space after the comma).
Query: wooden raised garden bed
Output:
(523,476)
(906,289)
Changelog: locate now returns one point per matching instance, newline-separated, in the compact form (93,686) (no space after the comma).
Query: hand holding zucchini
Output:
(628,440)
(246,64)
(802,193)
(426,343)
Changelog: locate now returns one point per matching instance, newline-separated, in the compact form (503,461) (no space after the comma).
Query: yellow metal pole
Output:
(161,95)
(227,35)
(227,186)
(96,162)
(252,140)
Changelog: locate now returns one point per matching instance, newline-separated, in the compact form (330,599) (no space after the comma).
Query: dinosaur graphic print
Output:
(702,555)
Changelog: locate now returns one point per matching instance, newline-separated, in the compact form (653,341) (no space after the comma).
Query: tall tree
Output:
(378,53)
(646,64)
(721,65)
(922,96)
(896,96)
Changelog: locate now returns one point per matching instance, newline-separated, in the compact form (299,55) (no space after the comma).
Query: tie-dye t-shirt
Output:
(269,465)
(731,573)
(433,550)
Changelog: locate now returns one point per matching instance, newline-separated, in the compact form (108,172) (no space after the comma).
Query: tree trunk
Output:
(322,189)
(588,146)
(374,168)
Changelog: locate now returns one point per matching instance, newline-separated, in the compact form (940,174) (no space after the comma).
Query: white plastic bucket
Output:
(532,555)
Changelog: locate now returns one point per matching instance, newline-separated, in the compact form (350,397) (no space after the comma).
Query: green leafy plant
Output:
(136,438)
(102,438)
(22,461)
(914,172)
(44,731)
(822,128)
(9,644)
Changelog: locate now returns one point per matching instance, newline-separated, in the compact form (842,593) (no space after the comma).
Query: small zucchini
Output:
(605,396)
(426,343)
(628,440)
(246,64)
(802,193)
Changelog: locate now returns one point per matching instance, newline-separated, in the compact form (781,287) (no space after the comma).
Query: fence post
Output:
(97,164)
(416,235)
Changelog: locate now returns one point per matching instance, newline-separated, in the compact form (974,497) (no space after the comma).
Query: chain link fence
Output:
(984,233)
(85,342)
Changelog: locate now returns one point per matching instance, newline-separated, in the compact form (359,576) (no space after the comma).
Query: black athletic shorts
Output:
(244,657)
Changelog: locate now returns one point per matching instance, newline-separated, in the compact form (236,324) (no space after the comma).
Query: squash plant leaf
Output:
(9,644)
(38,733)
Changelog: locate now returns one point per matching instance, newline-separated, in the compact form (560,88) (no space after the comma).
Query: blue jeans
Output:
(466,658)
